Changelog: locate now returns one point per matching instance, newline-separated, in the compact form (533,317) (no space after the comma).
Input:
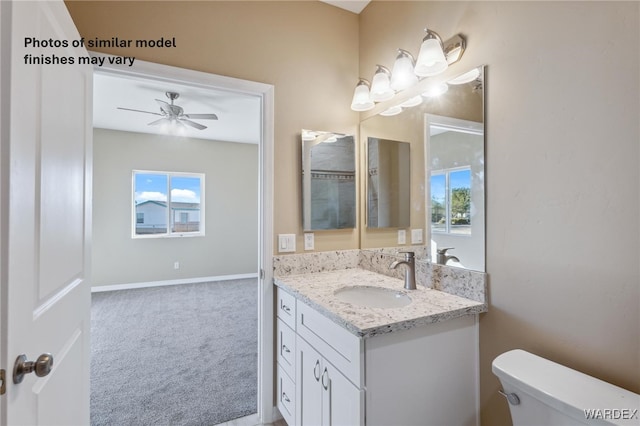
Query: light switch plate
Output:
(402,236)
(308,241)
(286,243)
(416,236)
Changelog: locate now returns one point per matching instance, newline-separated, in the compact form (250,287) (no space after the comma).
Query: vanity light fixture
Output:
(361,97)
(308,135)
(381,85)
(411,102)
(467,77)
(394,110)
(454,48)
(330,138)
(434,58)
(436,90)
(403,76)
(431,60)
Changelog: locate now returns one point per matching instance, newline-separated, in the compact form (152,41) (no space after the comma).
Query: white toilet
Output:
(543,393)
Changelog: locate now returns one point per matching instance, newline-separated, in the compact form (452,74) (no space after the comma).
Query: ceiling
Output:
(238,114)
(354,6)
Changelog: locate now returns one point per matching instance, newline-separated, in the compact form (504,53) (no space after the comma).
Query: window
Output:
(167,204)
(451,201)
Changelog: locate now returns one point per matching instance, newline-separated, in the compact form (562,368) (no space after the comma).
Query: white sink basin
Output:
(372,297)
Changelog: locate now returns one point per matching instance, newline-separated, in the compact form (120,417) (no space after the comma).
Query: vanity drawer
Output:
(286,338)
(336,344)
(286,397)
(286,308)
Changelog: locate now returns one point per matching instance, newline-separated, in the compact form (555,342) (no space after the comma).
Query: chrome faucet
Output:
(410,271)
(443,257)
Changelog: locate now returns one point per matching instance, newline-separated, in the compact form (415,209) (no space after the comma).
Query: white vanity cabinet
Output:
(328,372)
(286,355)
(325,396)
(422,375)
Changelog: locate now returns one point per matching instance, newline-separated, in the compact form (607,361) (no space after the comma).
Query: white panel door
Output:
(46,196)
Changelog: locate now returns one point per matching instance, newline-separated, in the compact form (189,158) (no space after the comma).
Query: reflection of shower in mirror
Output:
(328,180)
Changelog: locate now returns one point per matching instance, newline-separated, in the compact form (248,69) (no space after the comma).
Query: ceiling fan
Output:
(171,113)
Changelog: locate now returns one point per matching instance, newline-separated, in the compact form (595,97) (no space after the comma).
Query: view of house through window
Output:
(167,204)
(451,201)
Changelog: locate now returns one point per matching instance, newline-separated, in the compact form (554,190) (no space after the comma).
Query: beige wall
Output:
(562,174)
(563,237)
(230,244)
(308,50)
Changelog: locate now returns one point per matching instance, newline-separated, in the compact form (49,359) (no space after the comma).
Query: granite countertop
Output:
(427,305)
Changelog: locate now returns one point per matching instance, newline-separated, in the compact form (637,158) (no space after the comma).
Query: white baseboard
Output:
(254,420)
(250,420)
(101,288)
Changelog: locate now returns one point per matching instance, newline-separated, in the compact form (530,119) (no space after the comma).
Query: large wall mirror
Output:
(328,180)
(445,134)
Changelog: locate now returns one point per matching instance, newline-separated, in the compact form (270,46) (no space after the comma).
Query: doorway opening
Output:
(232,248)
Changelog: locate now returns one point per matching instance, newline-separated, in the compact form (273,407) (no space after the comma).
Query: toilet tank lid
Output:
(561,387)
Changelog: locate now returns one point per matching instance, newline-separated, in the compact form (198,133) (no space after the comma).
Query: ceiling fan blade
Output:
(165,107)
(160,121)
(193,124)
(137,110)
(202,116)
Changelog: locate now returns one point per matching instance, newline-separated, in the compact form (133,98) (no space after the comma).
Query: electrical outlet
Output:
(176,265)
(416,236)
(308,241)
(402,236)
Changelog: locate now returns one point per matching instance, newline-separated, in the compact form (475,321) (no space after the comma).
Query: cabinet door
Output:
(308,386)
(342,401)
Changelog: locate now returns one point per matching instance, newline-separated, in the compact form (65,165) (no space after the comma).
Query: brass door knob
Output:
(42,366)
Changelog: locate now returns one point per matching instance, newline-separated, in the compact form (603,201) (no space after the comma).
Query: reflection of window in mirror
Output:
(451,201)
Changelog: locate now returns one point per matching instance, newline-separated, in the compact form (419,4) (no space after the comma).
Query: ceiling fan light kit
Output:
(173,115)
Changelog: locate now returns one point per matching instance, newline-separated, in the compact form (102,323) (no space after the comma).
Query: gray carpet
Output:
(174,355)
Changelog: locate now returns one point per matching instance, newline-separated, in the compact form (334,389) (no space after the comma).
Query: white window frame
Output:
(169,233)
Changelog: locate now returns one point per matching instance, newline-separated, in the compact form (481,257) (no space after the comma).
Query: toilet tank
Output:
(551,394)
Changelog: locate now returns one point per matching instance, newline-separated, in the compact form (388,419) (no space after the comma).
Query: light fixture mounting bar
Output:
(454,48)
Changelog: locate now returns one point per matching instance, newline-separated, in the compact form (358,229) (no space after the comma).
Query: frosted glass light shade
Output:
(411,102)
(361,97)
(395,110)
(402,75)
(308,135)
(467,77)
(436,90)
(431,60)
(381,85)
